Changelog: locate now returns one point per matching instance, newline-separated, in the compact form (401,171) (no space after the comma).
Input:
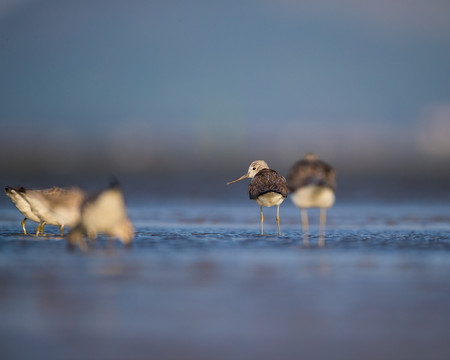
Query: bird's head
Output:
(255,167)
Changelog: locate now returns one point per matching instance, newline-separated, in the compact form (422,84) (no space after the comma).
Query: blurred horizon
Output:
(200,89)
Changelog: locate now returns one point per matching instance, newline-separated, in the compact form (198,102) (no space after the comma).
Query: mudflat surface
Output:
(199,282)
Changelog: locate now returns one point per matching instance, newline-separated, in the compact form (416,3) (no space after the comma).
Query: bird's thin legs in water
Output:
(304,220)
(323,219)
(262,221)
(304,215)
(82,244)
(38,229)
(278,220)
(23,226)
(62,230)
(42,228)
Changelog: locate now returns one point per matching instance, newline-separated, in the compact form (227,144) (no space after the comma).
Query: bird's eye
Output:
(254,168)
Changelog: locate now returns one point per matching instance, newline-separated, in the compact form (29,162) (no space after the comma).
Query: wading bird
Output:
(267,188)
(104,213)
(312,182)
(55,206)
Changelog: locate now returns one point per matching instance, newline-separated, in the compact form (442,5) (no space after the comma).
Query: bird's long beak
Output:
(241,178)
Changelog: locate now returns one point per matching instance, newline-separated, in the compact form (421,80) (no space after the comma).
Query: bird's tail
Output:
(10,190)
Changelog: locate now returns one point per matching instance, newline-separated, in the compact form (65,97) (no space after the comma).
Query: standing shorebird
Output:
(267,188)
(23,206)
(104,213)
(55,206)
(312,182)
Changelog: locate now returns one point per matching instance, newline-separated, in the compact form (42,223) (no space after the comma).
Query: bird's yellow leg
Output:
(38,229)
(42,228)
(278,220)
(91,234)
(62,230)
(23,226)
(262,221)
(323,219)
(304,215)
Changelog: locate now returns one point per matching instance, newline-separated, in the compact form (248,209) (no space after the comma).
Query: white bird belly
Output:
(108,210)
(313,196)
(269,199)
(40,207)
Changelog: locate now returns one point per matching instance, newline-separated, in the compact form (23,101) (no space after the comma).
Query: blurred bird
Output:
(104,213)
(313,183)
(55,206)
(267,188)
(23,206)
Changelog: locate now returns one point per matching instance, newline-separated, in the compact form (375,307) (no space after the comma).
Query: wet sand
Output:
(200,283)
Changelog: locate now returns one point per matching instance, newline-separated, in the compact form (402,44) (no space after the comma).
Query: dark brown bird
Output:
(268,188)
(312,182)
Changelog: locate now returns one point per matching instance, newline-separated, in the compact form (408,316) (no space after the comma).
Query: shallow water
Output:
(199,282)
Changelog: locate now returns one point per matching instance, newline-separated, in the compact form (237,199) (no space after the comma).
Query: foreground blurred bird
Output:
(104,213)
(267,188)
(313,183)
(54,206)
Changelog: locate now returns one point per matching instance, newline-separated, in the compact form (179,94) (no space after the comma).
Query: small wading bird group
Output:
(100,213)
(311,181)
